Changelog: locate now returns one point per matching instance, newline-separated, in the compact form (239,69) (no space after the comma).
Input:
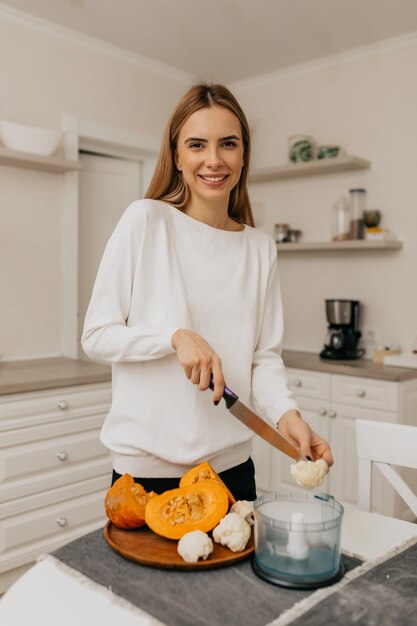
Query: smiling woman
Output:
(188,290)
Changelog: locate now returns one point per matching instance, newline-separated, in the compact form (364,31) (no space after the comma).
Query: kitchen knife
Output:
(257,424)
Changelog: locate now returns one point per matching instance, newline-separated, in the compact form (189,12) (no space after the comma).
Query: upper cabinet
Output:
(316,167)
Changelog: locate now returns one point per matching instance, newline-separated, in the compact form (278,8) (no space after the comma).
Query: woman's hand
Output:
(199,361)
(294,428)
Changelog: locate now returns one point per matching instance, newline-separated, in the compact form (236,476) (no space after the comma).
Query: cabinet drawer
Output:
(28,409)
(365,392)
(54,454)
(35,490)
(309,383)
(50,522)
(61,428)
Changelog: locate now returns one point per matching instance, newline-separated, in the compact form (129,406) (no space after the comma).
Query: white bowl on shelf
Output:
(31,139)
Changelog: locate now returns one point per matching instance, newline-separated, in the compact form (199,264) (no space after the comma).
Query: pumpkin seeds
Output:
(184,509)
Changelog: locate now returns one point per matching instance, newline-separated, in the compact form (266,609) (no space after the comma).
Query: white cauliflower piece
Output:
(233,531)
(245,509)
(309,474)
(195,545)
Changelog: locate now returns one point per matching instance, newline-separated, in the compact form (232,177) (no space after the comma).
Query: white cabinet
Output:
(54,471)
(331,403)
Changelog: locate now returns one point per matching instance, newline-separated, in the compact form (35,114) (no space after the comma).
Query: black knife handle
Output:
(228,395)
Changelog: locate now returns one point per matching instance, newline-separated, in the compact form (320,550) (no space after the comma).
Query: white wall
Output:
(43,76)
(368,104)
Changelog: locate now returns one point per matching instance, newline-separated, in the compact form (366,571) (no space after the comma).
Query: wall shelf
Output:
(26,160)
(342,163)
(339,246)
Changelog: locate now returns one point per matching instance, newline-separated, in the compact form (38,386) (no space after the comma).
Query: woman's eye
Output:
(196,145)
(229,144)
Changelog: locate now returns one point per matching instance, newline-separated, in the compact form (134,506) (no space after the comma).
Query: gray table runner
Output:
(231,596)
(385,595)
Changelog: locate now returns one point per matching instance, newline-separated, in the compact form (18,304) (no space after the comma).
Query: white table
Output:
(52,594)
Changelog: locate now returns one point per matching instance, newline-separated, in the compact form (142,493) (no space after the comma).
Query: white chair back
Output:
(385,444)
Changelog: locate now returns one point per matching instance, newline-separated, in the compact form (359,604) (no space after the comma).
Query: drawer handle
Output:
(62,404)
(297,382)
(61,521)
(323,411)
(360,393)
(332,414)
(62,456)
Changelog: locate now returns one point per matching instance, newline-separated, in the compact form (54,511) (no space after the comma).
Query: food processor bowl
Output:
(297,539)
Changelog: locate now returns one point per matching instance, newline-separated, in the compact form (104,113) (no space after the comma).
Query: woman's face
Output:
(210,154)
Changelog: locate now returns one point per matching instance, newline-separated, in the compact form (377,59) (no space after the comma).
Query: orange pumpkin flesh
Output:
(204,471)
(176,512)
(126,503)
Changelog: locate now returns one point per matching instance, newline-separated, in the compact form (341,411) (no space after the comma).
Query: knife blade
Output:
(257,424)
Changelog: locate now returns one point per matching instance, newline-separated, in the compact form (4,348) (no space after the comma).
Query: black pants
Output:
(240,480)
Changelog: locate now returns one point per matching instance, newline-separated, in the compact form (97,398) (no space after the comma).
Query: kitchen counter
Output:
(364,368)
(41,374)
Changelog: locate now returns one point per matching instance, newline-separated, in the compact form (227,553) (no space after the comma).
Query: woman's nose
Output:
(213,158)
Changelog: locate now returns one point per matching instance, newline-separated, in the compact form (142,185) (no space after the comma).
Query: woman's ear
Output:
(177,162)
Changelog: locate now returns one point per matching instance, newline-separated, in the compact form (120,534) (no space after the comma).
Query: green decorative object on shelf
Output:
(328,152)
(301,150)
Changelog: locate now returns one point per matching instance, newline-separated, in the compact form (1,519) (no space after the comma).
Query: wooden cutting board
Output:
(147,548)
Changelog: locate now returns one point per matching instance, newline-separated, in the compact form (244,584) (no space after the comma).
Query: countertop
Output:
(42,374)
(364,368)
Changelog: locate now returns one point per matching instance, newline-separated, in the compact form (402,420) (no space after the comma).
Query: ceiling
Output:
(230,40)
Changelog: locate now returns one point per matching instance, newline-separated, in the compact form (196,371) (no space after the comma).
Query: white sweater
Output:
(162,270)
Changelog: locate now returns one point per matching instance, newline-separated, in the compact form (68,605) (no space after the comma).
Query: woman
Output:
(186,289)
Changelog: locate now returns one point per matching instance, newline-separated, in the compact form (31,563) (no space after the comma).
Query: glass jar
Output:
(341,219)
(357,207)
(280,232)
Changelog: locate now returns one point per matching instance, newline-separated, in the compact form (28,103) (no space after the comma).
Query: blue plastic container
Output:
(297,539)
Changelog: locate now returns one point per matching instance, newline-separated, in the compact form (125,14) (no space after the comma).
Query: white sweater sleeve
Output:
(270,390)
(107,335)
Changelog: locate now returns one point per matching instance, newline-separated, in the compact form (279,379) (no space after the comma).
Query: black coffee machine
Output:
(343,331)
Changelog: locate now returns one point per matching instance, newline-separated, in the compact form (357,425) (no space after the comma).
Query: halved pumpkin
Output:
(176,512)
(126,503)
(204,471)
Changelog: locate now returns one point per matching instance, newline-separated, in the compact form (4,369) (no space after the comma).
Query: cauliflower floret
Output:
(309,474)
(195,545)
(233,531)
(245,509)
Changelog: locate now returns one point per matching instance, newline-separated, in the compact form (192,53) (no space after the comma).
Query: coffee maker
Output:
(343,330)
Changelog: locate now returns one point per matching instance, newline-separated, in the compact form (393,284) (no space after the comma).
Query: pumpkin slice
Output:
(126,503)
(204,471)
(179,511)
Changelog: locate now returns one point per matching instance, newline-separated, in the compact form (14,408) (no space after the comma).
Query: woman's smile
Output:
(215,181)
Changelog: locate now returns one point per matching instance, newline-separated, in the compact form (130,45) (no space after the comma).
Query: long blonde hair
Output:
(167,183)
